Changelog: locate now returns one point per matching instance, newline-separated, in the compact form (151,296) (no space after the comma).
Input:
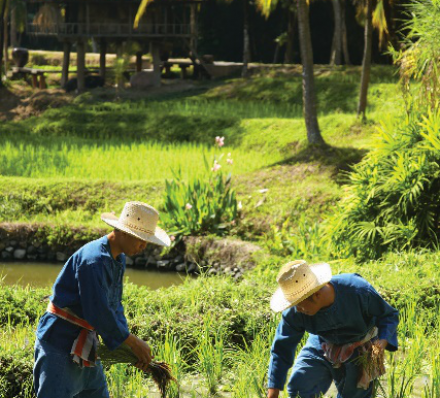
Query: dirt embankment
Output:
(21,102)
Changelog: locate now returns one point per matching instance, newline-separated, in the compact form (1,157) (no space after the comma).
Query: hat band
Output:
(295,294)
(147,231)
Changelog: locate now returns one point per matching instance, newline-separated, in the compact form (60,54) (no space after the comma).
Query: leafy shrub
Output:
(202,205)
(391,202)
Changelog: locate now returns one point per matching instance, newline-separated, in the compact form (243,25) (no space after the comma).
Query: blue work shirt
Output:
(90,284)
(356,309)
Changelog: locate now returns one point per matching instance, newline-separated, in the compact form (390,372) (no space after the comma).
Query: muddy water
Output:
(42,275)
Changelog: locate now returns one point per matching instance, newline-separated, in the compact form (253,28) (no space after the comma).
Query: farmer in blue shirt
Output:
(349,325)
(86,301)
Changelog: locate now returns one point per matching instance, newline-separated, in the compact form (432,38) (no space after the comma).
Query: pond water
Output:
(43,275)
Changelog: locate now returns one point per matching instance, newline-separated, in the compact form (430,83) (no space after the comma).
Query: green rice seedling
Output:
(210,353)
(170,351)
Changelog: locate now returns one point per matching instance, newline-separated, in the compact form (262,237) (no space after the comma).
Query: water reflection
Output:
(43,275)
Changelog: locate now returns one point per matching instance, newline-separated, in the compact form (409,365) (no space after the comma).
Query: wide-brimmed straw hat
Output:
(298,280)
(140,220)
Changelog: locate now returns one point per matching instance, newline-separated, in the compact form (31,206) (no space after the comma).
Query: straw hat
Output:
(140,220)
(298,280)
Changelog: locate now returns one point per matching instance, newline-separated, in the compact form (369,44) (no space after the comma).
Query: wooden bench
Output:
(37,75)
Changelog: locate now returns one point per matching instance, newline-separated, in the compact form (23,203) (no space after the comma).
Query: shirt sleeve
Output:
(287,338)
(121,316)
(387,318)
(111,325)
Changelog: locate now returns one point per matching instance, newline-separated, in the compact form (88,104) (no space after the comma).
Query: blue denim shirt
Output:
(356,309)
(90,284)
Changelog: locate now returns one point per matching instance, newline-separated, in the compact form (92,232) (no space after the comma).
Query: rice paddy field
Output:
(69,164)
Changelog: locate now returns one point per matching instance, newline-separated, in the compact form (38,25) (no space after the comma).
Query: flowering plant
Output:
(201,205)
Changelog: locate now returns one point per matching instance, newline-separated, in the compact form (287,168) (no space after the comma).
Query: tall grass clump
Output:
(201,205)
(391,201)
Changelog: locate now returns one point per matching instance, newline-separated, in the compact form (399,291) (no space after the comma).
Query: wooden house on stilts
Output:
(111,21)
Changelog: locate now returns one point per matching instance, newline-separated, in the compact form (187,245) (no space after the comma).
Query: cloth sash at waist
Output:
(338,354)
(85,347)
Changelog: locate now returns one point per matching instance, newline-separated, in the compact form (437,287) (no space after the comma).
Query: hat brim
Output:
(323,274)
(159,238)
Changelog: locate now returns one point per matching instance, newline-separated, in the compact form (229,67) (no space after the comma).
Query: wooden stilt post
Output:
(81,65)
(119,55)
(154,50)
(66,64)
(139,61)
(102,55)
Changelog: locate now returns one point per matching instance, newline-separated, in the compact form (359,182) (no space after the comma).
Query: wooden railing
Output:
(110,30)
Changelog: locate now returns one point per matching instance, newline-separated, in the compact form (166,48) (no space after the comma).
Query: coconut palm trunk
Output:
(336,55)
(309,97)
(366,63)
(246,41)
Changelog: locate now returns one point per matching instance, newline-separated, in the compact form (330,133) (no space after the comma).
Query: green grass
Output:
(112,149)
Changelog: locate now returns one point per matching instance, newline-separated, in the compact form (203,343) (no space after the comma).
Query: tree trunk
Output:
(13,28)
(6,39)
(336,56)
(291,14)
(2,37)
(246,44)
(347,59)
(366,62)
(309,97)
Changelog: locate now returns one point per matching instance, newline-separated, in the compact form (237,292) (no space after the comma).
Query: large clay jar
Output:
(20,56)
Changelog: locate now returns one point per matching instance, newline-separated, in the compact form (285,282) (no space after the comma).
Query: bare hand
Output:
(382,344)
(273,393)
(141,349)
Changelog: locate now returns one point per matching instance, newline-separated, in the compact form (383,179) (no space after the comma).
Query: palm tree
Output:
(314,136)
(309,97)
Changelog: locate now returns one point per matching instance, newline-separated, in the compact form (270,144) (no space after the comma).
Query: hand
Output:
(141,349)
(382,344)
(273,393)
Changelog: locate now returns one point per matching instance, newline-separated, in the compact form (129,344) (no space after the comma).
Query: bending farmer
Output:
(349,325)
(86,301)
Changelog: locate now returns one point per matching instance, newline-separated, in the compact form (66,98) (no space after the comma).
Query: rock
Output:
(31,249)
(178,259)
(181,267)
(227,270)
(90,81)
(129,261)
(42,256)
(61,257)
(6,255)
(32,257)
(13,243)
(140,262)
(23,244)
(2,246)
(9,249)
(238,276)
(163,263)
(19,254)
(193,268)
(212,271)
(145,79)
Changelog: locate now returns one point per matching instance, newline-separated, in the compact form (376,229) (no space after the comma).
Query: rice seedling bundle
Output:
(160,371)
